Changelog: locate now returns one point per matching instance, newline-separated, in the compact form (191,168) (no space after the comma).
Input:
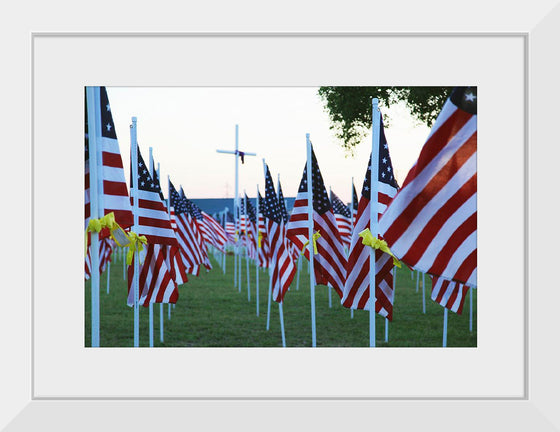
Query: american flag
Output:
(354,205)
(229,226)
(343,219)
(281,263)
(294,252)
(106,247)
(217,232)
(250,228)
(156,284)
(187,233)
(196,218)
(160,271)
(112,191)
(431,223)
(356,288)
(449,294)
(264,249)
(153,219)
(173,256)
(330,260)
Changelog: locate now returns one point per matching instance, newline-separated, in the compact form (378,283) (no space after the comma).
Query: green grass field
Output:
(210,312)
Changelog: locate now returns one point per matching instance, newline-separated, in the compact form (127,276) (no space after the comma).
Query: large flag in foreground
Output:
(431,223)
(330,259)
(153,218)
(356,288)
(281,263)
(156,279)
(112,191)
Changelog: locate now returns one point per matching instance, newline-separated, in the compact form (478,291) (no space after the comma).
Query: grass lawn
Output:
(211,312)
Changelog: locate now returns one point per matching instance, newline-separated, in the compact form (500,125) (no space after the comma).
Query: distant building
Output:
(217,205)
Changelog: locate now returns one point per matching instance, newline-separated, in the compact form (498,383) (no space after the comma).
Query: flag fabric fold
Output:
(280,261)
(431,224)
(330,260)
(356,289)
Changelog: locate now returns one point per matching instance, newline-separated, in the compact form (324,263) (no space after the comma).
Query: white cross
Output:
(237,154)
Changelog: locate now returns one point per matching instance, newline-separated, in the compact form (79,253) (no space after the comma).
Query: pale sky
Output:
(186,125)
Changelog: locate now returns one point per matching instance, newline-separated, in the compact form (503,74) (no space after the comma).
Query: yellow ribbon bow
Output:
(369,240)
(136,243)
(315,237)
(260,239)
(107,221)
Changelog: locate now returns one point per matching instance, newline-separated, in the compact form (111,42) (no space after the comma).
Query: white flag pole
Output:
(124,254)
(236,206)
(470,308)
(269,274)
(310,235)
(93,103)
(351,228)
(281,313)
(417,279)
(298,271)
(269,298)
(246,248)
(108,275)
(374,177)
(444,327)
(134,192)
(258,254)
(424,293)
(394,290)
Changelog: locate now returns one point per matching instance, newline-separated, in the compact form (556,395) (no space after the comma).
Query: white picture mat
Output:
(540,20)
(495,369)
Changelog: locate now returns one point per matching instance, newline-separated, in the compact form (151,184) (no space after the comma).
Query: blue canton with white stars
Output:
(271,209)
(321,203)
(385,167)
(338,206)
(178,203)
(145,180)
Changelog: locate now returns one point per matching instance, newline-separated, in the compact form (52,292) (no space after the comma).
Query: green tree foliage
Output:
(349,108)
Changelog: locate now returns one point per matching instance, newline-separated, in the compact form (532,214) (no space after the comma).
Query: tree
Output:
(349,108)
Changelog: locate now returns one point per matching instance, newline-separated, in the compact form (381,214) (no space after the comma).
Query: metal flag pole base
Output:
(444,327)
(151,319)
(417,279)
(269,299)
(298,271)
(168,311)
(330,296)
(125,252)
(282,324)
(248,276)
(161,322)
(352,313)
(470,309)
(424,293)
(386,330)
(108,275)
(257,287)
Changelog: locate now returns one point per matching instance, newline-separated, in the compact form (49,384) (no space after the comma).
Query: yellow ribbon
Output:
(136,243)
(369,240)
(260,239)
(107,221)
(315,237)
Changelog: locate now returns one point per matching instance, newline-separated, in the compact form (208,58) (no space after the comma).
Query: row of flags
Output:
(429,223)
